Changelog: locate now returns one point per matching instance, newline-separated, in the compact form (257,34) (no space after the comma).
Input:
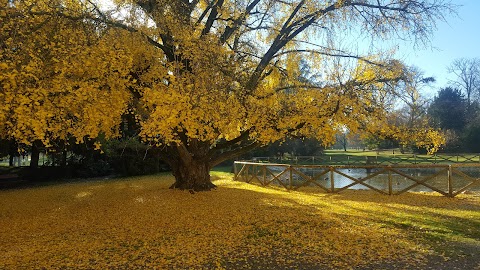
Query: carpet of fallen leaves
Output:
(138,223)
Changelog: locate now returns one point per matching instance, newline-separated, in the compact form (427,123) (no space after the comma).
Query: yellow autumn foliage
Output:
(202,81)
(60,79)
(63,78)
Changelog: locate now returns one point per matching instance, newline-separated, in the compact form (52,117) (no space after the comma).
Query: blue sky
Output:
(458,37)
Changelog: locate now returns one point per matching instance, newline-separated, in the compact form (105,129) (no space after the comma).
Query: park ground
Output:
(138,223)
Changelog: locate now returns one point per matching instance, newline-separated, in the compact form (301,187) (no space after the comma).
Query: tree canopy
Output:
(448,109)
(204,81)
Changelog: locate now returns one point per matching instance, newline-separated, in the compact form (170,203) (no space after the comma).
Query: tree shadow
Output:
(236,226)
(449,225)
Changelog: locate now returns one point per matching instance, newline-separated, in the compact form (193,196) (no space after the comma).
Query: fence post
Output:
(390,189)
(449,178)
(332,181)
(290,177)
(264,167)
(235,171)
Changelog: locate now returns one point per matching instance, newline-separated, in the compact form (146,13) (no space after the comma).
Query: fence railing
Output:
(446,179)
(368,160)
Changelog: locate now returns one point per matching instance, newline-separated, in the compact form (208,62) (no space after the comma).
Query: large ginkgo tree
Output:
(203,80)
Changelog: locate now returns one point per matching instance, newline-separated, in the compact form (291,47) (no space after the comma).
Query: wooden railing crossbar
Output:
(316,177)
(255,175)
(473,181)
(357,181)
(244,167)
(360,181)
(421,181)
(308,180)
(276,177)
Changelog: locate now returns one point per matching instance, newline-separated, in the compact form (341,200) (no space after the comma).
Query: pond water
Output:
(401,178)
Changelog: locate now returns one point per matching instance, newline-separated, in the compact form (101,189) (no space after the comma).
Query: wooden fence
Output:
(448,180)
(368,160)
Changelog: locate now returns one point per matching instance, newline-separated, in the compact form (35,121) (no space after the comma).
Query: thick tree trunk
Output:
(64,159)
(35,157)
(191,162)
(193,176)
(12,152)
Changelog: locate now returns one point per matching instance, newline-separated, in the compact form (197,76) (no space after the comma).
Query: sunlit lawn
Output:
(138,223)
(396,154)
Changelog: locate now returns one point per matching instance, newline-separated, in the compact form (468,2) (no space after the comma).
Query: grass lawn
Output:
(396,154)
(138,223)
(359,157)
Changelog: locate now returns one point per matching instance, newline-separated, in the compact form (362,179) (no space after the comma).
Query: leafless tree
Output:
(410,93)
(467,72)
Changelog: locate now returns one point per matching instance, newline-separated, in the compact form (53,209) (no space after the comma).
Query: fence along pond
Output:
(446,179)
(384,159)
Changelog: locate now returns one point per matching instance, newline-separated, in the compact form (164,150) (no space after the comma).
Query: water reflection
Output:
(414,179)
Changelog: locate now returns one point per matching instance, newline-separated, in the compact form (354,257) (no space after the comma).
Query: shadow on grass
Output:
(140,223)
(450,226)
(19,182)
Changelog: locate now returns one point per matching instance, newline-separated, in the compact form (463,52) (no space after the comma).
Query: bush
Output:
(46,173)
(131,157)
(92,168)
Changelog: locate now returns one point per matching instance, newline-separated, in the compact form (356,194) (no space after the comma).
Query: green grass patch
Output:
(227,169)
(358,157)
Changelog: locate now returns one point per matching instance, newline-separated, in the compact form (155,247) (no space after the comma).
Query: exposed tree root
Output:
(193,187)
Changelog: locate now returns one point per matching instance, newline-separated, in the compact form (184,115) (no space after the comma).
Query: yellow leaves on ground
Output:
(139,223)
